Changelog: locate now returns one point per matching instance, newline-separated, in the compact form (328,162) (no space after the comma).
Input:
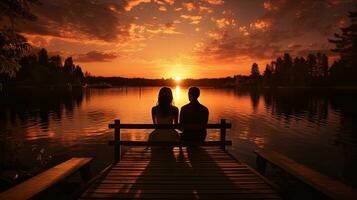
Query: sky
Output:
(183,38)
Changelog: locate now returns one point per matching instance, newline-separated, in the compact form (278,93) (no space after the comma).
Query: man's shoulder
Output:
(204,108)
(184,107)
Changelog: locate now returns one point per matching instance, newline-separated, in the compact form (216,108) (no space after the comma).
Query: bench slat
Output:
(326,185)
(44,180)
(165,126)
(168,144)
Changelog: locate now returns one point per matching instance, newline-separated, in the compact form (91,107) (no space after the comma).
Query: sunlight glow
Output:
(177,79)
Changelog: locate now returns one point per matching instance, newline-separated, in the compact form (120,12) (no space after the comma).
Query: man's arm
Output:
(206,116)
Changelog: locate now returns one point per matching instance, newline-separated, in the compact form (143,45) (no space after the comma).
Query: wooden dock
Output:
(171,173)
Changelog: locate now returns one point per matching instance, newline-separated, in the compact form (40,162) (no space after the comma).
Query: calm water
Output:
(317,129)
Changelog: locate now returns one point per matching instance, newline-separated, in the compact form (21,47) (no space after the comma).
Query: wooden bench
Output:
(117,126)
(48,178)
(329,187)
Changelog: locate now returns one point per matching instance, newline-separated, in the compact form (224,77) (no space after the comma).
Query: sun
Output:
(177,79)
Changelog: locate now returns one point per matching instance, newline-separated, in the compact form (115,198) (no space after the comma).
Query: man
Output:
(193,118)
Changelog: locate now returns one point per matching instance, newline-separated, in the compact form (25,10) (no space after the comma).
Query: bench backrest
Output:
(223,125)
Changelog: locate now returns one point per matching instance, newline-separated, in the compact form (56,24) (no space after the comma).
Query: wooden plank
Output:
(202,182)
(44,180)
(200,175)
(167,144)
(186,186)
(181,191)
(326,185)
(195,195)
(168,126)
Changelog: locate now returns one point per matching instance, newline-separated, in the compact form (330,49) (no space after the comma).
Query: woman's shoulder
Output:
(174,108)
(154,108)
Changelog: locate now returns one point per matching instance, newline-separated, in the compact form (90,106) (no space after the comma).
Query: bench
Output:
(48,178)
(117,126)
(329,187)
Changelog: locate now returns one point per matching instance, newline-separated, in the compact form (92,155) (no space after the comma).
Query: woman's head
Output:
(165,97)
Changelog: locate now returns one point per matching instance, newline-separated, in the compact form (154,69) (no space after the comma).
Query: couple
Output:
(193,117)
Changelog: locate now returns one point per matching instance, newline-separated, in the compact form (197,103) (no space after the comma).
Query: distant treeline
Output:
(121,81)
(41,69)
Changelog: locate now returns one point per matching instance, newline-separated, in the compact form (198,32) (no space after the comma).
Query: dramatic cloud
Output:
(96,56)
(286,26)
(80,19)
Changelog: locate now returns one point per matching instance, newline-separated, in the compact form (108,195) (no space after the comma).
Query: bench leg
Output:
(85,172)
(261,165)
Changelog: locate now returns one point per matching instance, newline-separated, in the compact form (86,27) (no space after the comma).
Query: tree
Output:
(13,46)
(346,43)
(268,74)
(346,46)
(311,65)
(79,76)
(255,70)
(324,66)
(43,57)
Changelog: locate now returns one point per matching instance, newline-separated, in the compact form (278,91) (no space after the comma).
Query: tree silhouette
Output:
(41,70)
(13,46)
(268,75)
(43,57)
(255,70)
(344,70)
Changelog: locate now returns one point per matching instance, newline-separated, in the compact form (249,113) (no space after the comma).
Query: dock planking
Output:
(171,173)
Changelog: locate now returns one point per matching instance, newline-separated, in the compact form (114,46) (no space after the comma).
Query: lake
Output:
(316,128)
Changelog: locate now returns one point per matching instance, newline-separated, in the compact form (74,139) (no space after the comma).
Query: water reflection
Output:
(315,128)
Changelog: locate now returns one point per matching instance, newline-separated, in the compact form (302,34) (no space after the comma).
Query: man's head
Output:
(193,93)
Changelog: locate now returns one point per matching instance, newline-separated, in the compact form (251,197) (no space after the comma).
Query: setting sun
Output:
(177,79)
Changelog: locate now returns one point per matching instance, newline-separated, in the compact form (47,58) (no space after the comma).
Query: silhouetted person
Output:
(164,113)
(194,118)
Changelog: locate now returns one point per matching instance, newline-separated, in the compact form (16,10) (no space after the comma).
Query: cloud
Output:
(305,15)
(80,19)
(96,56)
(189,6)
(283,24)
(195,19)
(225,22)
(215,2)
(203,9)
(162,8)
(167,28)
(130,4)
(260,25)
(294,46)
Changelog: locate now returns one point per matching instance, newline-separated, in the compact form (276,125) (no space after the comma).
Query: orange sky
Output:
(185,38)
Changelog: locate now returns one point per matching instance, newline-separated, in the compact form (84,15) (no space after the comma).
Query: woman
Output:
(164,113)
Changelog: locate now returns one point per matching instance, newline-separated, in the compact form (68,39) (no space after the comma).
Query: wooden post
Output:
(85,172)
(117,150)
(261,164)
(223,134)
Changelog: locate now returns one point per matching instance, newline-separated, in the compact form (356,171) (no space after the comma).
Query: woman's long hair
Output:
(165,100)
